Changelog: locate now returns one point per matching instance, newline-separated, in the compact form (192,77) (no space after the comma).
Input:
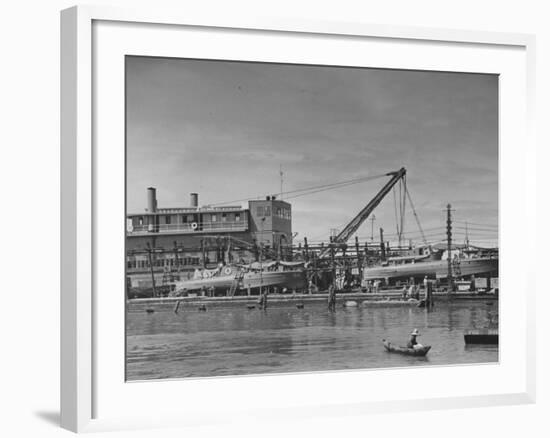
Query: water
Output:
(233,340)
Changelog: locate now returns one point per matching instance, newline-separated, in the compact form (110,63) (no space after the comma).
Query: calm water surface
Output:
(233,340)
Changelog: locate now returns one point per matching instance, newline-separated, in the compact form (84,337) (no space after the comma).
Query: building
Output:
(186,238)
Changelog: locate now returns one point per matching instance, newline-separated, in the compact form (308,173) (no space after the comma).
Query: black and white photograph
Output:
(289,218)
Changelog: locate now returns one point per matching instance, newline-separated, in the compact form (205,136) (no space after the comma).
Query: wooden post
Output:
(255,249)
(306,249)
(332,264)
(177,259)
(314,256)
(382,246)
(429,295)
(359,259)
(149,256)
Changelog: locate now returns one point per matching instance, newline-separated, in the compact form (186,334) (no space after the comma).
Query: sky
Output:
(223,129)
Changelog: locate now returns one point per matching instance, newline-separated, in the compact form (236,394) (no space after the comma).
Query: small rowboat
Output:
(420,351)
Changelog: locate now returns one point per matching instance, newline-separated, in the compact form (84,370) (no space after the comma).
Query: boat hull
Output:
(391,348)
(295,279)
(437,269)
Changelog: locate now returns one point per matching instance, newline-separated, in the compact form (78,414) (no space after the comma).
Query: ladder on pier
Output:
(236,282)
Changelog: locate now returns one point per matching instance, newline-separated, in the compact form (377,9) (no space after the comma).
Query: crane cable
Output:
(309,190)
(416,217)
(402,200)
(398,233)
(400,217)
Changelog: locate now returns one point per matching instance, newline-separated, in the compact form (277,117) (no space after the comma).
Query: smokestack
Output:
(151,199)
(194,200)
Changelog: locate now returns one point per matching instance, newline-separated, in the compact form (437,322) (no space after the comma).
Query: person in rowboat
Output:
(413,343)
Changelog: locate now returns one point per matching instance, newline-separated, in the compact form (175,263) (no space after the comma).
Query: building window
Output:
(263,211)
(224,217)
(168,220)
(214,218)
(237,217)
(140,220)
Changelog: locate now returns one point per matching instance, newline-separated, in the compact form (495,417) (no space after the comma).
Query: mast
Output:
(449,247)
(281,176)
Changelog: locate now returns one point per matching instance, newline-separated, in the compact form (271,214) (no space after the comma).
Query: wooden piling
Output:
(150,257)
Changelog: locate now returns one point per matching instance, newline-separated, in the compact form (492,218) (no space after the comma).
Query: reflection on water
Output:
(234,340)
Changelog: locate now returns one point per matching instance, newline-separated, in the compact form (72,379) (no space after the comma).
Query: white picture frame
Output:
(83,370)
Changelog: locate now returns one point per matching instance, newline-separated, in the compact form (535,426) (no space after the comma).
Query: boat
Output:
(419,351)
(431,265)
(289,275)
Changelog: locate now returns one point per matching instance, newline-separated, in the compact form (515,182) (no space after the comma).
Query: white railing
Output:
(193,227)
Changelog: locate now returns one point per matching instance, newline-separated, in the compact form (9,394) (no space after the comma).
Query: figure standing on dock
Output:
(263,300)
(417,291)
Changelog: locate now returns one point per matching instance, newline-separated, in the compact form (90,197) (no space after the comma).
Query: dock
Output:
(482,336)
(381,299)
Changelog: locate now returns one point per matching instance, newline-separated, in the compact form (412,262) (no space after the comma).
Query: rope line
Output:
(307,190)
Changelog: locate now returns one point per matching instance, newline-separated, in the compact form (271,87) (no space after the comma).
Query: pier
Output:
(175,249)
(386,298)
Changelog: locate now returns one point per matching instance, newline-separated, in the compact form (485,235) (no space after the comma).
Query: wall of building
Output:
(269,220)
(166,241)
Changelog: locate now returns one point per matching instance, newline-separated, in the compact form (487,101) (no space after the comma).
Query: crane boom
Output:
(356,222)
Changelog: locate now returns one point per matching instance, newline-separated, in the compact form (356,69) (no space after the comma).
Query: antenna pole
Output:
(281,175)
(449,246)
